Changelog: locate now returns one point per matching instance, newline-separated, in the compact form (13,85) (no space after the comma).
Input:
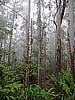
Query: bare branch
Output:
(12,9)
(62,13)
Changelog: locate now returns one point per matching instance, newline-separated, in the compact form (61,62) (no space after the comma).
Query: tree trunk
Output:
(71,19)
(74,63)
(10,38)
(71,33)
(9,53)
(0,50)
(59,18)
(44,58)
(43,52)
(27,44)
(4,51)
(69,58)
(31,42)
(58,41)
(39,42)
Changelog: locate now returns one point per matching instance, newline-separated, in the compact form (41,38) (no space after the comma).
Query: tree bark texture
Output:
(71,19)
(27,44)
(59,18)
(58,42)
(69,58)
(39,42)
(0,50)
(10,40)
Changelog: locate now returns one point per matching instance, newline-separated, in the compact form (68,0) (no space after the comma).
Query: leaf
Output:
(67,89)
(50,90)
(7,98)
(13,98)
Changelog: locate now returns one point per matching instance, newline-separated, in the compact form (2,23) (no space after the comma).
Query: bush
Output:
(35,92)
(10,88)
(64,86)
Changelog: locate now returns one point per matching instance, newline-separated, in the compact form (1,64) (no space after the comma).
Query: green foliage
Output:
(73,54)
(10,89)
(35,92)
(33,73)
(64,86)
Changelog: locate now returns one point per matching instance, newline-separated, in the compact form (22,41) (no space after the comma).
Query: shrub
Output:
(35,92)
(64,86)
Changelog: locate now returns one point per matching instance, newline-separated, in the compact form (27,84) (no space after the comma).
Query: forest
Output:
(37,50)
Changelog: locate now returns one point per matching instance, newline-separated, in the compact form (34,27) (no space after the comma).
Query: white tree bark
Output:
(71,19)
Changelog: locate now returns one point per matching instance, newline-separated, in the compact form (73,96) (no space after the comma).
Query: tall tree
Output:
(0,49)
(71,34)
(59,18)
(11,34)
(39,41)
(27,44)
(69,57)
(44,57)
(71,19)
(30,43)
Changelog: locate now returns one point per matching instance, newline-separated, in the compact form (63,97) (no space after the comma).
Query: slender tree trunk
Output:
(44,59)
(39,42)
(0,50)
(74,63)
(71,33)
(10,38)
(31,42)
(71,19)
(69,59)
(43,52)
(9,54)
(58,41)
(4,51)
(27,45)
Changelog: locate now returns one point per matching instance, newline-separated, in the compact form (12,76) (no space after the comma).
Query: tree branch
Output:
(12,9)
(62,13)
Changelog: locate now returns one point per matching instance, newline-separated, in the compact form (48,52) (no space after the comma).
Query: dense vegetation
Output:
(37,50)
(12,88)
